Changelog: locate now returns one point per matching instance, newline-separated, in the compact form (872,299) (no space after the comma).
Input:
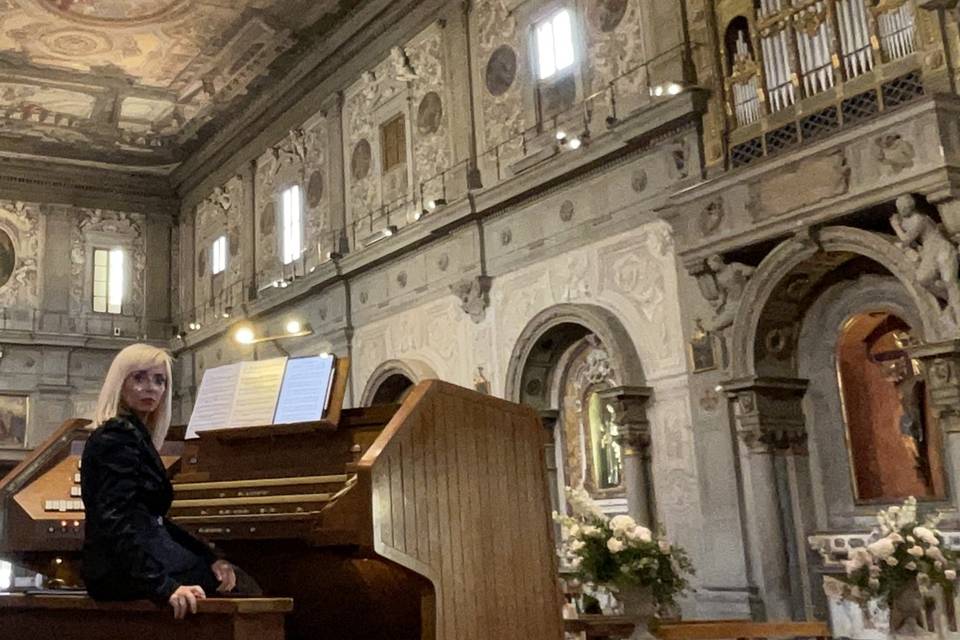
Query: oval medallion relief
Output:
(501,70)
(114,12)
(8,258)
(606,15)
(360,160)
(315,188)
(430,114)
(268,220)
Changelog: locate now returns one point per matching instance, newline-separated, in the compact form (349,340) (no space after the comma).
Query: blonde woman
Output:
(131,550)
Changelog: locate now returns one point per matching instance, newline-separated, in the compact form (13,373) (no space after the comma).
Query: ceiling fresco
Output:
(133,82)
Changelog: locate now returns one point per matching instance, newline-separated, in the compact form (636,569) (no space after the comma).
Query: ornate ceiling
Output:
(133,82)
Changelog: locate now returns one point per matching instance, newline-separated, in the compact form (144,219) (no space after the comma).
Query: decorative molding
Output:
(474,295)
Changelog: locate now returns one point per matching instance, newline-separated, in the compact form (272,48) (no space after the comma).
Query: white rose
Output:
(622,524)
(640,533)
(874,583)
(916,551)
(950,574)
(911,566)
(832,587)
(890,560)
(614,545)
(926,535)
(664,546)
(576,545)
(589,531)
(881,548)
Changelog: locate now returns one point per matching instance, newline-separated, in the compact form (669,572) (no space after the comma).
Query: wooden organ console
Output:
(426,520)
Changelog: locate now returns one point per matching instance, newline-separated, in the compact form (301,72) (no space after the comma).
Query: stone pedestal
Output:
(627,406)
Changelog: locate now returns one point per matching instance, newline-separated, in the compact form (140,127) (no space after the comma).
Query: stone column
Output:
(628,407)
(941,371)
(549,419)
(770,425)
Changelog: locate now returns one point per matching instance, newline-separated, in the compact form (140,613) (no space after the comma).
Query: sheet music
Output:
(306,389)
(257,389)
(214,402)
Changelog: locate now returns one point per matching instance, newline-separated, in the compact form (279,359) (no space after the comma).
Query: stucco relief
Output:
(126,227)
(265,213)
(23,226)
(316,202)
(431,148)
(616,47)
(220,213)
(502,114)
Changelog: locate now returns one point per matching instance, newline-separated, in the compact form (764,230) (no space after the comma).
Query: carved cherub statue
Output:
(402,70)
(730,280)
(938,270)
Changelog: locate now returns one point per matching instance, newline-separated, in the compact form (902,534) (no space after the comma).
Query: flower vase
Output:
(907,613)
(638,605)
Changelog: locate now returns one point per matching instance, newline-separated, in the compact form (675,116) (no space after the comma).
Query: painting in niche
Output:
(13,420)
(894,439)
(606,15)
(8,258)
(501,70)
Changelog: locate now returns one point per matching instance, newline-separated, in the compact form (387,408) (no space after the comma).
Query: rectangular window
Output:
(108,280)
(218,255)
(554,44)
(394,139)
(292,222)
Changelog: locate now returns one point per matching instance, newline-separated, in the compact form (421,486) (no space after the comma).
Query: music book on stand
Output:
(263,392)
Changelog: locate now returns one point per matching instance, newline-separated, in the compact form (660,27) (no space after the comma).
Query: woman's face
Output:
(144,389)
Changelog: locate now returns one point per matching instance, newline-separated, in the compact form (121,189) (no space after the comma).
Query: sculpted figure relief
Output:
(729,281)
(938,268)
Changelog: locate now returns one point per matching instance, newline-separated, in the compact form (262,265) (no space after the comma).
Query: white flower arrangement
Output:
(618,552)
(904,552)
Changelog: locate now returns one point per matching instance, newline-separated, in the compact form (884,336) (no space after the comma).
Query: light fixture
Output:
(194,325)
(666,89)
(243,333)
(334,255)
(430,205)
(227,312)
(575,143)
(561,135)
(386,232)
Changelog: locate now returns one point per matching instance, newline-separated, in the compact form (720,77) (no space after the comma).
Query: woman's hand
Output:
(223,571)
(184,599)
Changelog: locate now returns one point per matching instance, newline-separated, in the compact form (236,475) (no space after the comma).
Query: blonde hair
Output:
(130,359)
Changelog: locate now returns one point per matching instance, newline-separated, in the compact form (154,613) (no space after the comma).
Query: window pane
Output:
(291,224)
(563,39)
(545,50)
(100,304)
(100,289)
(100,257)
(116,279)
(218,255)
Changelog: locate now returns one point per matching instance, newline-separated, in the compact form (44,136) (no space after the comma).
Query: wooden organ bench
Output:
(80,618)
(423,521)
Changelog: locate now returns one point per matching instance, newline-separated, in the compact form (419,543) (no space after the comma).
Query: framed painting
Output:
(14,415)
(702,351)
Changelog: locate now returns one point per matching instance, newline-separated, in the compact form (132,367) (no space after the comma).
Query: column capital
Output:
(628,409)
(941,370)
(768,412)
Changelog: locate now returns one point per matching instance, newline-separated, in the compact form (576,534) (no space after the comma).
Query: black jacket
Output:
(130,549)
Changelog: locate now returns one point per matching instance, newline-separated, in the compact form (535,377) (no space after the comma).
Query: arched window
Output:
(894,440)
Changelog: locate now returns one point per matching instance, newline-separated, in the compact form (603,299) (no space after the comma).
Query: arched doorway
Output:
(818,355)
(393,380)
(566,359)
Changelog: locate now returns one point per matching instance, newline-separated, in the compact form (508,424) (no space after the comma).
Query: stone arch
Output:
(413,370)
(806,264)
(570,323)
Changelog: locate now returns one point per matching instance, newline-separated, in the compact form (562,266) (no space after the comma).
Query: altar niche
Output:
(894,440)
